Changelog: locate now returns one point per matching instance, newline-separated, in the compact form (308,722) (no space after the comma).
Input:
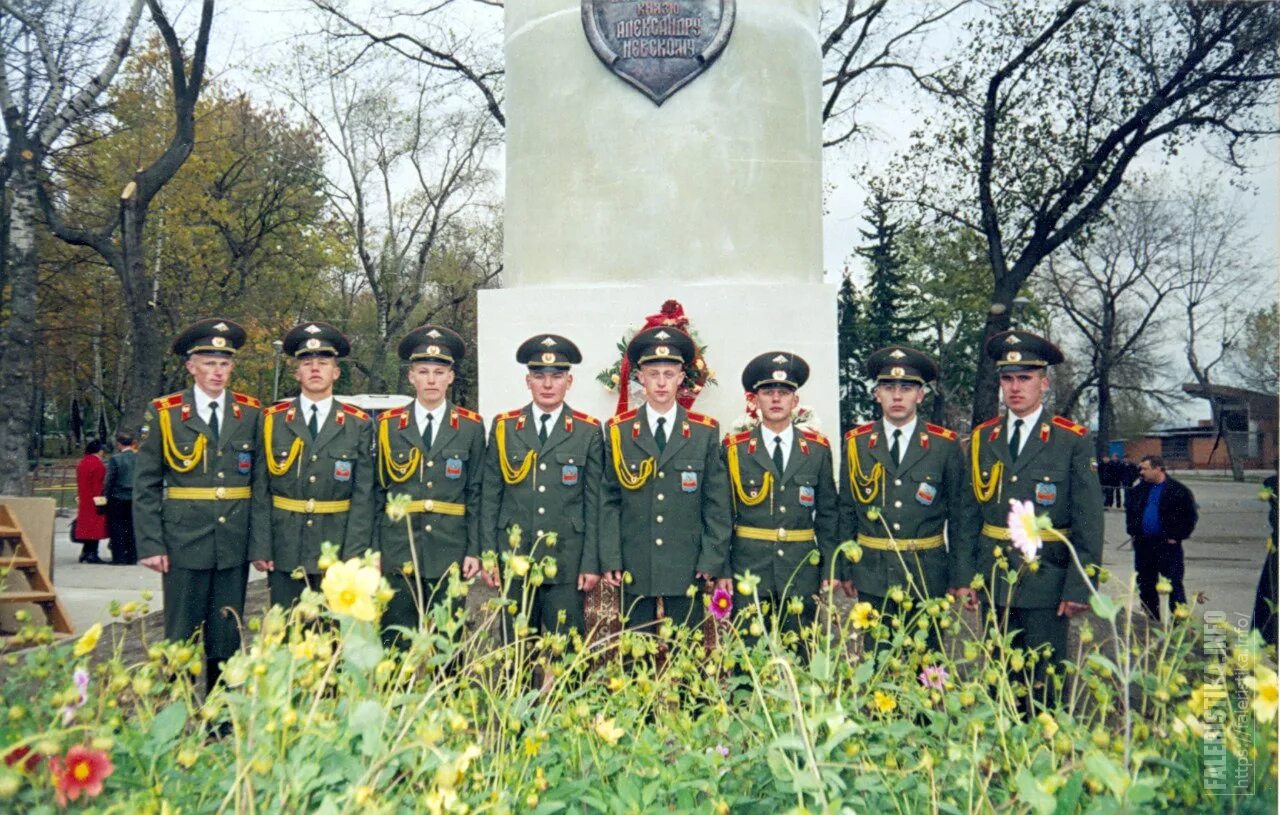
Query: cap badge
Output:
(312,329)
(662,335)
(222,327)
(218,342)
(1012,339)
(662,351)
(1013,356)
(548,358)
(779,375)
(897,353)
(433,349)
(897,371)
(547,341)
(780,359)
(433,334)
(313,343)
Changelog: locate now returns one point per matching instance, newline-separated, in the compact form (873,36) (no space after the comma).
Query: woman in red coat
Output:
(91,520)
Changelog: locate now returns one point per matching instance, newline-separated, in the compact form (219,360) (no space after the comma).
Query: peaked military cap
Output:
(548,352)
(211,336)
(661,344)
(773,369)
(432,343)
(898,363)
(315,339)
(1022,351)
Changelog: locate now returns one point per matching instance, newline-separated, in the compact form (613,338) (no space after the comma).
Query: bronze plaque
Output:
(659,46)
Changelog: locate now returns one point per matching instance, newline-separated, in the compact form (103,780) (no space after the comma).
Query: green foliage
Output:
(856,403)
(1255,363)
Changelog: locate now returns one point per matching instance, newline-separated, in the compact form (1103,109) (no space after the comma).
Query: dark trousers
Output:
(402,610)
(285,590)
(207,600)
(546,604)
(1113,496)
(1153,558)
(1264,600)
(642,611)
(120,527)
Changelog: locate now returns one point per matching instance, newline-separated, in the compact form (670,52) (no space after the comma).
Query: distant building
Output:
(1250,417)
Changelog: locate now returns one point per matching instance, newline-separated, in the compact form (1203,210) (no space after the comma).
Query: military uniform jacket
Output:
(450,472)
(179,453)
(335,466)
(671,517)
(803,497)
(544,487)
(916,500)
(1055,472)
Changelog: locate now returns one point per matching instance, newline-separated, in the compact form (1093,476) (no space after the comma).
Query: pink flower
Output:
(83,771)
(721,604)
(934,676)
(1024,529)
(82,685)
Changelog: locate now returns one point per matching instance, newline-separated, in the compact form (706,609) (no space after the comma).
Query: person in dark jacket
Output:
(118,489)
(1264,601)
(1161,514)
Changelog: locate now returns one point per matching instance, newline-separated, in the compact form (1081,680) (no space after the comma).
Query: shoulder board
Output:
(939,430)
(861,430)
(1067,424)
(390,414)
(701,419)
(468,414)
(166,402)
(815,436)
(277,407)
(352,410)
(244,399)
(584,417)
(510,414)
(731,439)
(623,417)
(988,422)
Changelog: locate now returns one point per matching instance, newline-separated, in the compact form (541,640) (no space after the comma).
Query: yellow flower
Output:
(1265,692)
(398,506)
(863,616)
(607,730)
(884,703)
(350,589)
(1048,724)
(88,640)
(520,565)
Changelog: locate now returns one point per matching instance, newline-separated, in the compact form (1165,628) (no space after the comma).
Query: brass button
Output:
(658,519)
(658,541)
(1013,479)
(431,464)
(897,482)
(428,505)
(427,527)
(542,510)
(430,485)
(542,488)
(311,505)
(310,522)
(782,509)
(782,534)
(780,553)
(661,474)
(782,489)
(312,479)
(897,504)
(220,493)
(315,458)
(222,475)
(661,497)
(222,519)
(896,527)
(543,467)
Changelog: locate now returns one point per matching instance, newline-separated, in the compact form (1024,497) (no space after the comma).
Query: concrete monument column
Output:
(615,204)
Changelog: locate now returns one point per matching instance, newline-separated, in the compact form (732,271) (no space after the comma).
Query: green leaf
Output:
(1069,795)
(167,725)
(820,667)
(1104,607)
(1108,772)
(367,719)
(1030,792)
(362,649)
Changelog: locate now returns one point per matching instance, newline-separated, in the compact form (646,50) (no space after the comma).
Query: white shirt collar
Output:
(322,409)
(1029,422)
(538,413)
(202,404)
(787,436)
(908,429)
(653,417)
(420,415)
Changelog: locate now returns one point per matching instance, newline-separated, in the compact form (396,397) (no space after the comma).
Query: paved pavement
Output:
(1223,558)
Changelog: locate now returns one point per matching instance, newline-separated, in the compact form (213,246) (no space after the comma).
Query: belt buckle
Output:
(219,493)
(428,505)
(310,505)
(782,534)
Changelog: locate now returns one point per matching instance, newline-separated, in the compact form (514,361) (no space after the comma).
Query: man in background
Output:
(1160,516)
(118,488)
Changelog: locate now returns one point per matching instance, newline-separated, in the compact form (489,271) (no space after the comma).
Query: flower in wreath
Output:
(697,372)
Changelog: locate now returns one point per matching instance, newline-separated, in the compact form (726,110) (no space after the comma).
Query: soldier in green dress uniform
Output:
(192,489)
(902,488)
(1026,455)
(542,473)
(783,493)
(318,454)
(433,451)
(664,516)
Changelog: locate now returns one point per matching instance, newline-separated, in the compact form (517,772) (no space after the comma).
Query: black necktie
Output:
(426,431)
(895,450)
(313,424)
(542,429)
(777,454)
(661,436)
(1015,441)
(213,420)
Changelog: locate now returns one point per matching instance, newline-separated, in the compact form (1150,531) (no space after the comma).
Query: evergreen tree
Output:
(856,404)
(886,322)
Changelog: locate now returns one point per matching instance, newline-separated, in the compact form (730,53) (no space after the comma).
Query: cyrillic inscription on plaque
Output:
(659,46)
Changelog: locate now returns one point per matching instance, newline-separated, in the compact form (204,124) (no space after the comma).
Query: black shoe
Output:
(90,557)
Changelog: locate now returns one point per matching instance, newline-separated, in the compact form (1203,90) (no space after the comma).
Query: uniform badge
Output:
(806,496)
(1046,494)
(569,475)
(453,468)
(342,470)
(244,463)
(689,481)
(926,493)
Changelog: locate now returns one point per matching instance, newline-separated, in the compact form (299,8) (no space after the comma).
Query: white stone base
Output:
(735,321)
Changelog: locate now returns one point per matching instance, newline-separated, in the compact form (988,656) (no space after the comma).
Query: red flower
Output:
(83,770)
(721,604)
(29,760)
